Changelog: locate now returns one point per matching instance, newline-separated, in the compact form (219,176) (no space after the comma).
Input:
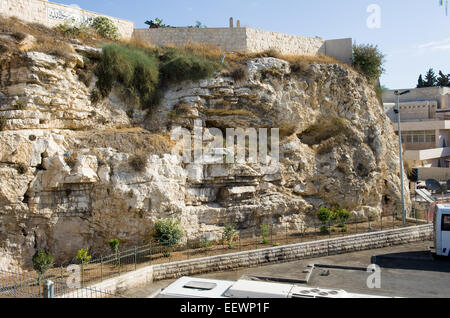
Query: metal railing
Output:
(21,285)
(125,261)
(129,260)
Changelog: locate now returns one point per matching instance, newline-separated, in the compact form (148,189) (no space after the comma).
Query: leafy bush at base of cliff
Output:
(167,232)
(136,73)
(42,262)
(368,60)
(142,72)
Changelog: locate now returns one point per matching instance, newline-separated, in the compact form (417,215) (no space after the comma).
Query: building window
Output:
(418,137)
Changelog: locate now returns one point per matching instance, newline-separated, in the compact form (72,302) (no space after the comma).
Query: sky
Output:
(413,34)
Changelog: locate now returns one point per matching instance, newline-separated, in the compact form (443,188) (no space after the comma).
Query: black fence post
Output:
(101,267)
(135,258)
(119,262)
(82,275)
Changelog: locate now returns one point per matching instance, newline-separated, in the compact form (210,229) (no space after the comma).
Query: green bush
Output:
(368,60)
(83,256)
(205,244)
(114,245)
(132,69)
(229,233)
(105,28)
(42,262)
(142,73)
(324,229)
(324,215)
(182,67)
(342,215)
(168,232)
(73,29)
(264,232)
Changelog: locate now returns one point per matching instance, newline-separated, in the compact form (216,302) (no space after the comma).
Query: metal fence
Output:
(113,265)
(23,285)
(124,261)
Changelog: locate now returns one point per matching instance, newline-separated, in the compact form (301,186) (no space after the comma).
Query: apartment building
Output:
(425,125)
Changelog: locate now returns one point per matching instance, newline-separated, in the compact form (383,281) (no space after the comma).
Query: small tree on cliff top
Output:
(368,60)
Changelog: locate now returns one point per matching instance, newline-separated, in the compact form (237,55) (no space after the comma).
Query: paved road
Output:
(406,271)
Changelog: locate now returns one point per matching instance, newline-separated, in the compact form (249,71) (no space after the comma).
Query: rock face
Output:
(74,175)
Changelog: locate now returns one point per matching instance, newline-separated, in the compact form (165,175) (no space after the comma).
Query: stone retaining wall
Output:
(52,14)
(248,40)
(267,256)
(293,252)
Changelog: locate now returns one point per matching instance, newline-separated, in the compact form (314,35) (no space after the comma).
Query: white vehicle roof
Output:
(189,287)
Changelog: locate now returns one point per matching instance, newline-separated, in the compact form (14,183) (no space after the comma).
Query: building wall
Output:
(261,40)
(227,39)
(412,110)
(52,14)
(248,40)
(439,174)
(438,94)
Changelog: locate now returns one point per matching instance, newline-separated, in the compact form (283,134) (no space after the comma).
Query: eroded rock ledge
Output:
(69,178)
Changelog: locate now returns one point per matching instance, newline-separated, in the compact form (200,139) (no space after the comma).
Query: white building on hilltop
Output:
(425,125)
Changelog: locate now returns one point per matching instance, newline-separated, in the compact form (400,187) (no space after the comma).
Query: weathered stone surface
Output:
(83,187)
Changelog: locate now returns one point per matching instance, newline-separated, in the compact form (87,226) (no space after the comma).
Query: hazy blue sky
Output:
(414,34)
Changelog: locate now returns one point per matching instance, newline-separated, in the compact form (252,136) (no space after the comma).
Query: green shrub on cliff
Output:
(142,73)
(132,69)
(105,28)
(368,60)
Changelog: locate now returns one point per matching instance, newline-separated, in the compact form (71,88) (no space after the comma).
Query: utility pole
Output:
(398,94)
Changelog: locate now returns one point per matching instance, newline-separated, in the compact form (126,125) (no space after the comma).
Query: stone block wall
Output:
(293,252)
(260,40)
(52,14)
(255,258)
(227,39)
(248,40)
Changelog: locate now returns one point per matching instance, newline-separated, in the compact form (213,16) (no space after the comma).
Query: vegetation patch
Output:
(239,73)
(142,72)
(22,168)
(368,60)
(168,232)
(138,162)
(135,72)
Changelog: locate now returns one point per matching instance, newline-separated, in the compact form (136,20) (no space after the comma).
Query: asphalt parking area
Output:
(406,271)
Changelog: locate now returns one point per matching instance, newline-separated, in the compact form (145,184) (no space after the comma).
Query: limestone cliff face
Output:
(74,175)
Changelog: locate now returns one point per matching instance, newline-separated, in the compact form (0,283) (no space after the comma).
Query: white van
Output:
(442,230)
